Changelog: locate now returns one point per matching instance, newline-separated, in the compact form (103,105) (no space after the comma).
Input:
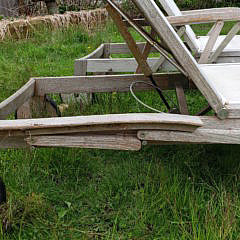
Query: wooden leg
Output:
(41,107)
(182,102)
(145,68)
(24,112)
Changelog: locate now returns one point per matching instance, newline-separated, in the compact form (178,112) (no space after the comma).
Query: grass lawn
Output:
(161,192)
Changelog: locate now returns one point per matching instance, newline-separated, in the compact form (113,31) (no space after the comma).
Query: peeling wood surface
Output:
(212,131)
(161,118)
(113,142)
(111,128)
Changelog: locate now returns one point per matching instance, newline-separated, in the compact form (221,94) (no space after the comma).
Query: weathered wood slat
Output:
(15,101)
(211,122)
(12,142)
(110,128)
(182,102)
(162,59)
(24,111)
(196,16)
(146,51)
(213,131)
(113,142)
(203,136)
(122,48)
(122,65)
(144,118)
(181,53)
(95,54)
(211,11)
(233,111)
(225,42)
(211,42)
(204,17)
(130,41)
(106,83)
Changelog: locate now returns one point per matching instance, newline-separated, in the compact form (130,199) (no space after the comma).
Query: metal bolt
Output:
(142,135)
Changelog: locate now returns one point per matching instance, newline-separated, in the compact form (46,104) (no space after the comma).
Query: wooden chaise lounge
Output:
(218,83)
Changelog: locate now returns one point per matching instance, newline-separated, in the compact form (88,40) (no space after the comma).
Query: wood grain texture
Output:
(15,101)
(122,65)
(172,10)
(225,42)
(233,14)
(162,59)
(80,68)
(157,20)
(87,141)
(201,136)
(182,102)
(213,36)
(211,11)
(213,131)
(116,128)
(12,142)
(146,51)
(24,111)
(97,53)
(120,48)
(105,83)
(130,41)
(153,118)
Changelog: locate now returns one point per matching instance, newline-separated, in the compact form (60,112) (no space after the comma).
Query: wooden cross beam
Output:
(141,60)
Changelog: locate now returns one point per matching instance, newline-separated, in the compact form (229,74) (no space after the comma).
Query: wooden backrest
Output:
(166,32)
(172,10)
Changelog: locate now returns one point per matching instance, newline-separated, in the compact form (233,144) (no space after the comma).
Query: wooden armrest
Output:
(201,16)
(210,10)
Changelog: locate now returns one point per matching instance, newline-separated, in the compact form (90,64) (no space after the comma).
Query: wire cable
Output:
(141,102)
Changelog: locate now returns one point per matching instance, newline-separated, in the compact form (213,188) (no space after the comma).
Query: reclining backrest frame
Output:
(172,10)
(163,28)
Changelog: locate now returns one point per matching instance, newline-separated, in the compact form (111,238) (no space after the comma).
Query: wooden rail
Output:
(105,83)
(15,101)
(118,131)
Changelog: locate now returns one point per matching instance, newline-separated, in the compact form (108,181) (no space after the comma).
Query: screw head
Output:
(142,135)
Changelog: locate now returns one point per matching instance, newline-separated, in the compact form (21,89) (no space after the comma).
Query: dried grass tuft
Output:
(22,28)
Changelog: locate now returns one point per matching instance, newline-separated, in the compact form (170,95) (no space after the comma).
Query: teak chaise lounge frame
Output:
(216,47)
(213,47)
(123,131)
